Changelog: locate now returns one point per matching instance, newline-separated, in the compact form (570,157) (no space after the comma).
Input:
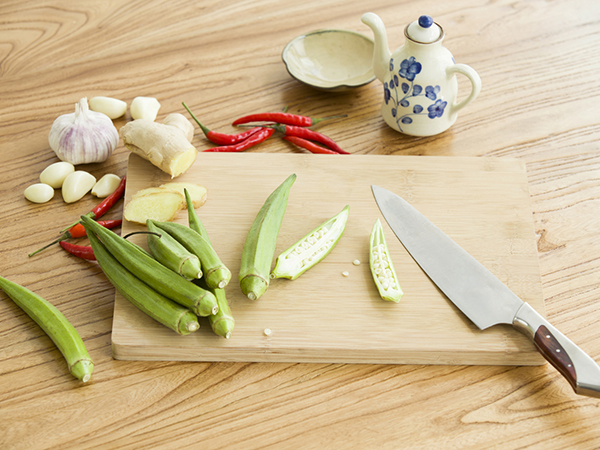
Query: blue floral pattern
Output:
(409,69)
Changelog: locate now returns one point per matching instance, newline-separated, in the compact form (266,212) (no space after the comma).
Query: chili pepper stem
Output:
(64,236)
(204,129)
(321,119)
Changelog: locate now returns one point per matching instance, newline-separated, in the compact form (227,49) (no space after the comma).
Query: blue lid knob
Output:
(425,21)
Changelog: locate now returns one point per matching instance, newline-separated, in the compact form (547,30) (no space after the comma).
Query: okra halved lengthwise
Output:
(55,325)
(171,314)
(259,248)
(312,248)
(154,274)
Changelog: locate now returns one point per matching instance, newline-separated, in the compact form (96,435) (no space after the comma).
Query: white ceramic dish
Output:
(330,59)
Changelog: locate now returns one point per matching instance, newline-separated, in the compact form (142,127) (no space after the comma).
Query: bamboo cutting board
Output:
(325,316)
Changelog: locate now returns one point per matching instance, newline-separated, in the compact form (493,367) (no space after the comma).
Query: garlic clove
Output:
(106,185)
(112,107)
(39,193)
(144,108)
(76,185)
(84,136)
(55,174)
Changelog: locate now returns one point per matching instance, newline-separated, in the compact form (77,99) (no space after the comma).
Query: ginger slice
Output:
(154,203)
(197,192)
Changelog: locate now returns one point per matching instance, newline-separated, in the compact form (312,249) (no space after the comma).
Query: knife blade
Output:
(482,297)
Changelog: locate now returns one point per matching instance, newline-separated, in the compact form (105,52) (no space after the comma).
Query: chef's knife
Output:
(482,297)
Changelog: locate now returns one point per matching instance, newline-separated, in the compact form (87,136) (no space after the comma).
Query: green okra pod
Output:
(222,323)
(193,219)
(153,273)
(172,254)
(160,308)
(259,247)
(55,325)
(216,274)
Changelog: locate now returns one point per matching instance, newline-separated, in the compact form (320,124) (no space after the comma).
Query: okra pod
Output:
(193,220)
(259,248)
(216,274)
(55,325)
(222,323)
(172,254)
(160,308)
(153,273)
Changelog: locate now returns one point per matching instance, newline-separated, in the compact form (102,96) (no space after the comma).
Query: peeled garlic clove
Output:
(112,107)
(55,174)
(84,136)
(106,185)
(76,185)
(144,108)
(39,193)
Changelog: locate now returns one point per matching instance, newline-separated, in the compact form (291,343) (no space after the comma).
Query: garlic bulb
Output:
(84,136)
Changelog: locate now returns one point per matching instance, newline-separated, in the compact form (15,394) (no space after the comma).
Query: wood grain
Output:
(538,61)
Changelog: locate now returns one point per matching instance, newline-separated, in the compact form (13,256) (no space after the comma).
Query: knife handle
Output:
(581,371)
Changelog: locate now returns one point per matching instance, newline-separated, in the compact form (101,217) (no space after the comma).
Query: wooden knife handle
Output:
(555,354)
(581,371)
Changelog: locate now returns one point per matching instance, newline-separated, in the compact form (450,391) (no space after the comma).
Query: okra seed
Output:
(267,331)
(345,274)
(356,262)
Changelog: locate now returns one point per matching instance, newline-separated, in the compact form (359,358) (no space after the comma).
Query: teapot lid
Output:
(424,30)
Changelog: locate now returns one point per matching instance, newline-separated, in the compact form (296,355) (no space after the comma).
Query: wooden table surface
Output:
(539,63)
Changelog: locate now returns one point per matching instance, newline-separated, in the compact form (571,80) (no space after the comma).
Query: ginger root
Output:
(165,146)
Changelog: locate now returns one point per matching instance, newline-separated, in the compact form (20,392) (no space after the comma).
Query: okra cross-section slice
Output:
(312,248)
(381,266)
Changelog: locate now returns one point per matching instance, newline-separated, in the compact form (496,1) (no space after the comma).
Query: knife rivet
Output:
(547,336)
(558,350)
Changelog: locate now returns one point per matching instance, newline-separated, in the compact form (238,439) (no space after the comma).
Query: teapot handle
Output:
(473,76)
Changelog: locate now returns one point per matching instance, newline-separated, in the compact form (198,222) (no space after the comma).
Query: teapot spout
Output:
(381,53)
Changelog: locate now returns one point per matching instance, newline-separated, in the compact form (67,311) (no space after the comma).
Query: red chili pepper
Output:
(222,138)
(81,251)
(283,118)
(290,130)
(79,231)
(256,138)
(104,205)
(309,145)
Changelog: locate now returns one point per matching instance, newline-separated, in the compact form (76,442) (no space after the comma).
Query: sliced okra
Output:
(381,266)
(312,248)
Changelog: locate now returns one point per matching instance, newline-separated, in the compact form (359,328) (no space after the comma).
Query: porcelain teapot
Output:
(419,79)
